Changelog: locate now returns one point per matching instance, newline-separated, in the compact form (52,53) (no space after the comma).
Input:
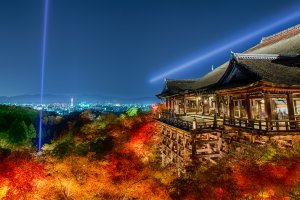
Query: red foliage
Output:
(219,192)
(19,173)
(124,166)
(141,139)
(252,178)
(143,134)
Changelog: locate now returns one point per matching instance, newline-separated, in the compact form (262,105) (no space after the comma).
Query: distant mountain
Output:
(52,98)
(34,99)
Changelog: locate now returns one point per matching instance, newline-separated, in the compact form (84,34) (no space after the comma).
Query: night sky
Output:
(115,48)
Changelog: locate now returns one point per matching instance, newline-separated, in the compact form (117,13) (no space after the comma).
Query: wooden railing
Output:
(177,122)
(285,125)
(245,123)
(263,125)
(193,124)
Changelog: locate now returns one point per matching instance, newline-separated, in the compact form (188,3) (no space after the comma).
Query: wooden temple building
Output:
(253,98)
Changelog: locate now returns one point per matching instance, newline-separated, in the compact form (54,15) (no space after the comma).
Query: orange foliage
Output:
(252,178)
(140,141)
(121,174)
(19,174)
(124,166)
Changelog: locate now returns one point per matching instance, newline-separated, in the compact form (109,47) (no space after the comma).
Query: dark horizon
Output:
(114,48)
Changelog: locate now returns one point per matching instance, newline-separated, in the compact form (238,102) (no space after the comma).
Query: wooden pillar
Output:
(290,105)
(174,100)
(167,103)
(171,103)
(197,105)
(231,106)
(226,106)
(291,110)
(184,104)
(171,147)
(193,145)
(179,105)
(268,111)
(217,104)
(248,107)
(174,105)
(268,107)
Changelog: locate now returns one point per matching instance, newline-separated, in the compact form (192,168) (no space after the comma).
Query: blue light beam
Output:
(226,47)
(43,72)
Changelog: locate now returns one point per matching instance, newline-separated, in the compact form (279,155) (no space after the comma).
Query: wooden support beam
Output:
(217,104)
(268,106)
(184,104)
(173,104)
(197,105)
(268,111)
(231,106)
(290,105)
(193,140)
(248,107)
(167,103)
(291,110)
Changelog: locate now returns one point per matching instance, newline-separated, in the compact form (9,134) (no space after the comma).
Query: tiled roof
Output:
(269,70)
(286,42)
(272,39)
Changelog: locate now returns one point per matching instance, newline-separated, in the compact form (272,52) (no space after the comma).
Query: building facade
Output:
(252,98)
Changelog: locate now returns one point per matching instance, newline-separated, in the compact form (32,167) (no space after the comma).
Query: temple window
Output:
(297,106)
(279,108)
(239,108)
(236,108)
(258,108)
(205,105)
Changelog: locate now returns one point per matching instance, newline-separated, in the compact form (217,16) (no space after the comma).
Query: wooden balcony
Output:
(191,121)
(264,125)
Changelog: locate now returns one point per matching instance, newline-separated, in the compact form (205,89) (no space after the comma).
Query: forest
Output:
(90,155)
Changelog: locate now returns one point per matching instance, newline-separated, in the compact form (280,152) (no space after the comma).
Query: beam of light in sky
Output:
(43,72)
(226,46)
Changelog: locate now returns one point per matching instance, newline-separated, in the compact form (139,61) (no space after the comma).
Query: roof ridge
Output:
(249,56)
(276,37)
(171,79)
(280,33)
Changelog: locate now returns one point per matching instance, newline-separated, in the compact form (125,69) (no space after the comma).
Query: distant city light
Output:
(66,108)
(227,46)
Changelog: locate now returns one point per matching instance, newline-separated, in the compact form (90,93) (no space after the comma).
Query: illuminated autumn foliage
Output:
(272,179)
(256,173)
(19,174)
(118,157)
(124,166)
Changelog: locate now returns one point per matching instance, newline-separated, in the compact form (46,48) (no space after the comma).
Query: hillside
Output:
(118,157)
